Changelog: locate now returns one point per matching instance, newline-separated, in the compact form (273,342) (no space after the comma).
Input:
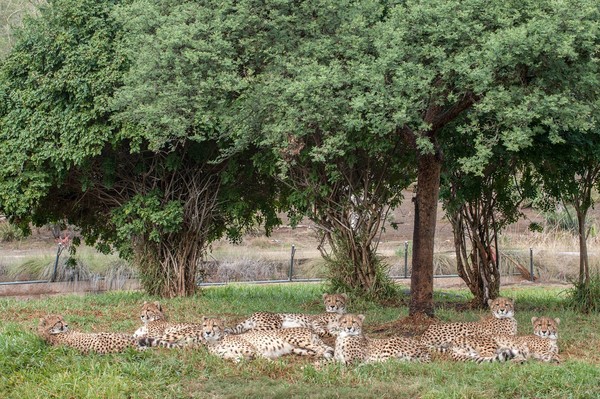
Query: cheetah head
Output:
(335,303)
(151,312)
(502,307)
(350,324)
(212,329)
(545,327)
(53,324)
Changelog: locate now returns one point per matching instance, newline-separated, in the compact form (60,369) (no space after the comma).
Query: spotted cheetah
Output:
(542,345)
(352,346)
(54,330)
(157,331)
(323,324)
(268,344)
(502,321)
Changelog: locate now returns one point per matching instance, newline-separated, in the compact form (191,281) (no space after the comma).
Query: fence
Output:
(278,273)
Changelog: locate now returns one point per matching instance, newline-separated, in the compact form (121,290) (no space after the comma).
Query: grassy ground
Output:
(31,369)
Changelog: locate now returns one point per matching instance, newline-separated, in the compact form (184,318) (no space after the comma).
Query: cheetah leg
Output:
(319,350)
(303,352)
(315,347)
(519,355)
(244,326)
(465,355)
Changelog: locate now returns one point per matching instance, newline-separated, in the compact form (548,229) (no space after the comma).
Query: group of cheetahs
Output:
(271,335)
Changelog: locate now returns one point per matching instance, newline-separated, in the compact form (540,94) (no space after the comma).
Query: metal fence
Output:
(292,274)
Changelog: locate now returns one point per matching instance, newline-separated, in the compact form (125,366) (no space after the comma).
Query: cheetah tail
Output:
(151,342)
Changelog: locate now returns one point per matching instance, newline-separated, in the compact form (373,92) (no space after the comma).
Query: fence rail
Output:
(516,269)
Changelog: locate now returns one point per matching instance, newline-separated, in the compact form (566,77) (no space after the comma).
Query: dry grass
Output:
(259,257)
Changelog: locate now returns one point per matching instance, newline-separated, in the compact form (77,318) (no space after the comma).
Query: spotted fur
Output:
(502,321)
(323,324)
(541,345)
(352,346)
(54,330)
(268,344)
(157,331)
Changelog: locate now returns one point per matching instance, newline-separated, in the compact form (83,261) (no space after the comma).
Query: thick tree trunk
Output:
(426,200)
(168,268)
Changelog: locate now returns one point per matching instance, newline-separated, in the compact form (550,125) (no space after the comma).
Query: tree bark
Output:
(476,258)
(428,187)
(426,200)
(584,269)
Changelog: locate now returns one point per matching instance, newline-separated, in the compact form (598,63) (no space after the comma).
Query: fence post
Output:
(531,264)
(405,259)
(292,263)
(58,251)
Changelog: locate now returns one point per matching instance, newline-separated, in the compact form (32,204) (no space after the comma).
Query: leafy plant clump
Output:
(9,232)
(342,276)
(585,297)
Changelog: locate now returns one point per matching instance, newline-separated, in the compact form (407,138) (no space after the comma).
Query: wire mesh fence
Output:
(116,272)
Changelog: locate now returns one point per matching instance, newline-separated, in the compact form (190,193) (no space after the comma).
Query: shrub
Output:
(9,232)
(584,297)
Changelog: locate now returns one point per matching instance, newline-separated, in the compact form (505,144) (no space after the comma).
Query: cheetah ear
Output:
(533,319)
(42,322)
(557,320)
(489,302)
(158,305)
(324,295)
(361,317)
(145,303)
(204,318)
(344,296)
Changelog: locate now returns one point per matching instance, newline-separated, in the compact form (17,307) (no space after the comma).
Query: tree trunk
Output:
(426,200)
(168,268)
(584,269)
(352,257)
(473,226)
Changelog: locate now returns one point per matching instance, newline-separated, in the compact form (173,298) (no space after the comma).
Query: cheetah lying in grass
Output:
(323,324)
(157,331)
(267,344)
(542,345)
(502,321)
(54,330)
(352,346)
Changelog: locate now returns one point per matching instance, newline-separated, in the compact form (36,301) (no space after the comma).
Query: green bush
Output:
(584,297)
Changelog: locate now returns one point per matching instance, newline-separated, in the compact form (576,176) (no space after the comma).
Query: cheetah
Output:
(323,324)
(157,331)
(352,346)
(502,321)
(542,345)
(269,344)
(54,330)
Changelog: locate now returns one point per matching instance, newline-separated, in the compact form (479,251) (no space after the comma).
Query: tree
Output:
(478,204)
(92,136)
(314,111)
(523,62)
(411,70)
(569,171)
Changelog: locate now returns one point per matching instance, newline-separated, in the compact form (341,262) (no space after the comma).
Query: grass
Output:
(31,369)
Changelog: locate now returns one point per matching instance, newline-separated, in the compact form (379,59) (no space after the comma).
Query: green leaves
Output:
(146,215)
(53,93)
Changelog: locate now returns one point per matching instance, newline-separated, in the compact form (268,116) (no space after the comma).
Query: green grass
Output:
(31,369)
